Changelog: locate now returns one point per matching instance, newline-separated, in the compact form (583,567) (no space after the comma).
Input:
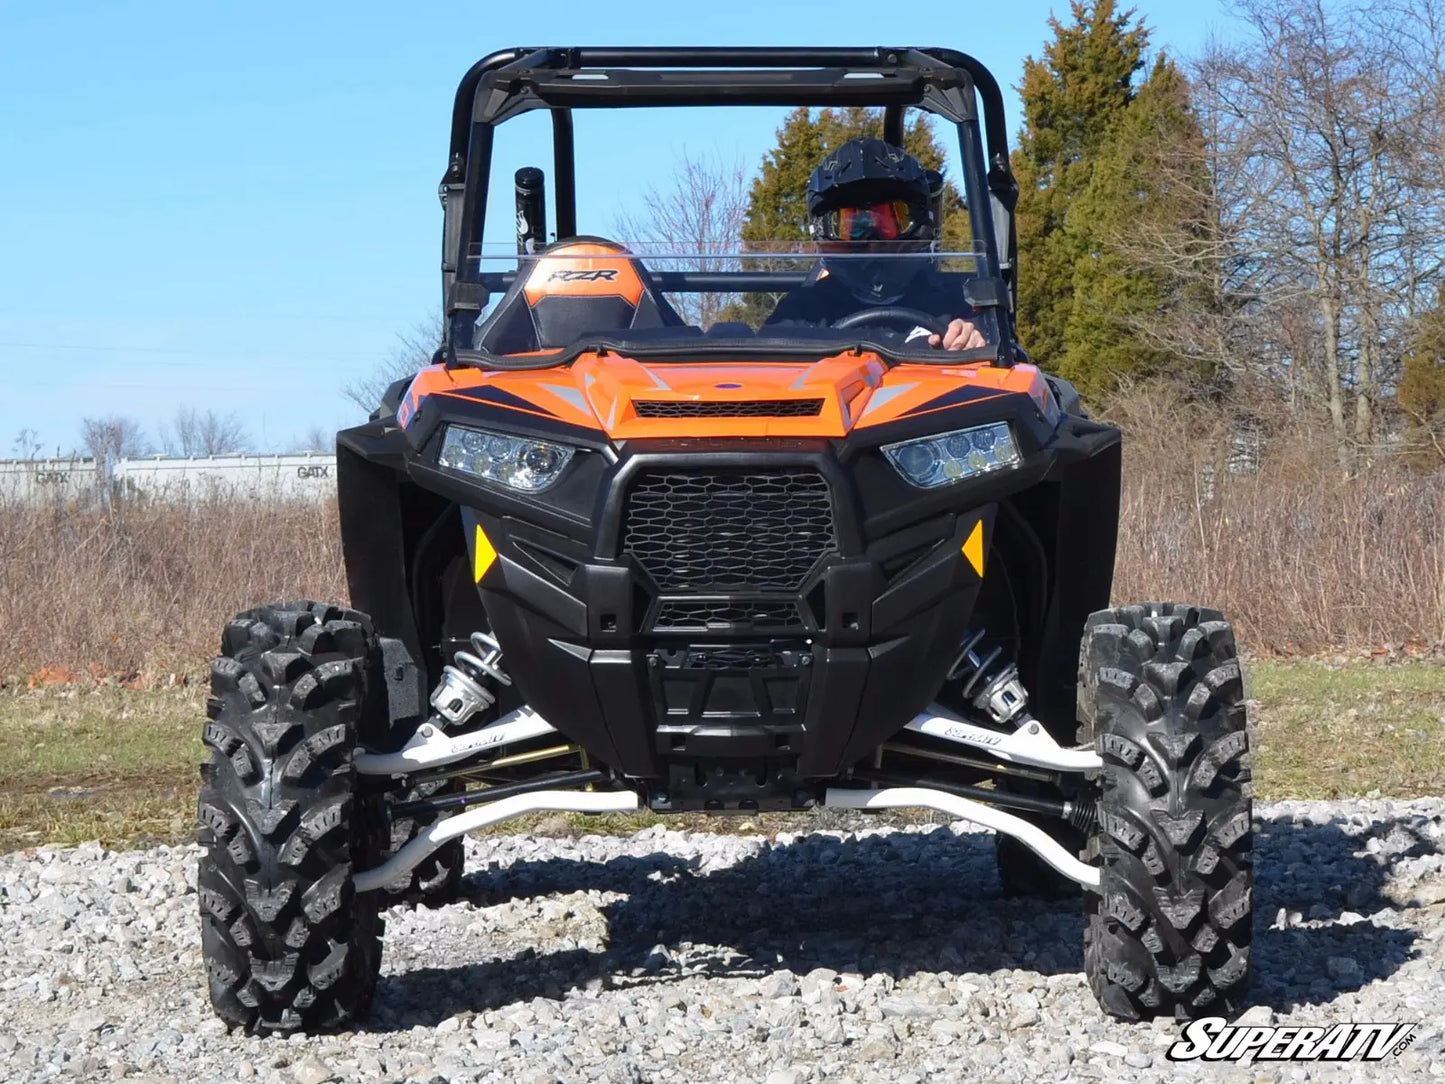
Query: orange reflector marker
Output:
(486,553)
(972,549)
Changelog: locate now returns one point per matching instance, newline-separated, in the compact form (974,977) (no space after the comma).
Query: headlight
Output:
(515,462)
(951,457)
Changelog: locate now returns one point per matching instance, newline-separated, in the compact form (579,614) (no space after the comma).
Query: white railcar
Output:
(246,476)
(44,481)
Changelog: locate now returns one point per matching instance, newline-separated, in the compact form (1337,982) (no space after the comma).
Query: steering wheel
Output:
(894,314)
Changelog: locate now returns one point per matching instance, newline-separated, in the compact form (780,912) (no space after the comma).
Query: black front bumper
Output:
(665,646)
(733,625)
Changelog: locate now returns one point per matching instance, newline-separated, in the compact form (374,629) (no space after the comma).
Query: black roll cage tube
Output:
(512,81)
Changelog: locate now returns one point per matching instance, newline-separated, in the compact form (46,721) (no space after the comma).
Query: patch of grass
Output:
(106,763)
(1348,730)
(116,765)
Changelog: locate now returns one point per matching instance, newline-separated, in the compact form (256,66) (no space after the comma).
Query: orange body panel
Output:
(1020,379)
(857,391)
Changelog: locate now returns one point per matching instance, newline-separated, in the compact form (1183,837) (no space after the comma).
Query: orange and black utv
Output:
(603,557)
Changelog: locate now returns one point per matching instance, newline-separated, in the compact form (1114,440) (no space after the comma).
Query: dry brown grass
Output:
(1302,559)
(142,590)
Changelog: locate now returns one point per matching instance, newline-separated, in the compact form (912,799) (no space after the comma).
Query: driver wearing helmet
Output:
(870,196)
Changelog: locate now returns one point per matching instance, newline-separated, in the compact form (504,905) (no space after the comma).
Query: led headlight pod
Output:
(951,457)
(515,462)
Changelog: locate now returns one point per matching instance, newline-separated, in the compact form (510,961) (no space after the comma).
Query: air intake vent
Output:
(745,408)
(726,532)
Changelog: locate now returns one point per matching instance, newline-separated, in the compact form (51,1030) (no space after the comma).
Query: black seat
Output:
(576,286)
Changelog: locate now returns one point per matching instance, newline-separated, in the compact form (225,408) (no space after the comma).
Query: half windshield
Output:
(785,298)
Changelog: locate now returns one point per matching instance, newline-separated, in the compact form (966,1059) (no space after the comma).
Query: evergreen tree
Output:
(777,210)
(1421,394)
(1144,190)
(1072,99)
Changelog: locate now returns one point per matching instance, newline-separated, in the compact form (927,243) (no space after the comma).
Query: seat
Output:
(576,286)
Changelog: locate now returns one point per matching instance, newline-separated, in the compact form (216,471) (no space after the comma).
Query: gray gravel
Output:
(880,954)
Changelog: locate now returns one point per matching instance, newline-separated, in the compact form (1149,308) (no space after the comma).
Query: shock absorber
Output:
(995,690)
(461,693)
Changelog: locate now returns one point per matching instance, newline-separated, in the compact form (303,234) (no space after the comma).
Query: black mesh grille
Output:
(761,615)
(748,408)
(716,532)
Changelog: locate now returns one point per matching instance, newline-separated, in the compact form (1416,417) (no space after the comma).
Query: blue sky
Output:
(233,207)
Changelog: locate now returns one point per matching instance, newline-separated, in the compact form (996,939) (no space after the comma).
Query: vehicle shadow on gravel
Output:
(1328,884)
(901,903)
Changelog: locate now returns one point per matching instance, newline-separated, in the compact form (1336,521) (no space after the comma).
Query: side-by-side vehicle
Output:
(603,556)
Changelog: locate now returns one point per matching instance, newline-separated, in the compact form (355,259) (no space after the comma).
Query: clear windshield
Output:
(907,299)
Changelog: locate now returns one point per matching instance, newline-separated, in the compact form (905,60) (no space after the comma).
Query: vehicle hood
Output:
(831,397)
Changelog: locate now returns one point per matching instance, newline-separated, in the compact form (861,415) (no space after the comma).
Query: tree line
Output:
(1262,225)
(190,433)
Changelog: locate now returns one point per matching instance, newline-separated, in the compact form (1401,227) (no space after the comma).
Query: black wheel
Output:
(288,942)
(1021,872)
(437,880)
(1162,699)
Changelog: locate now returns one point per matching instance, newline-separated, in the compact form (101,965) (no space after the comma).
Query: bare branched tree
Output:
(315,439)
(697,215)
(204,432)
(413,351)
(26,444)
(111,438)
(1326,134)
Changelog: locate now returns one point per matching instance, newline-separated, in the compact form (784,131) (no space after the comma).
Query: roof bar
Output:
(564,168)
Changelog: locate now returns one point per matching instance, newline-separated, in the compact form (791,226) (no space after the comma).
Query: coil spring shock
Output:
(994,690)
(998,693)
(461,693)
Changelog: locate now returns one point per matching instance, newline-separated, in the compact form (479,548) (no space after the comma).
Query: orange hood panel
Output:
(612,393)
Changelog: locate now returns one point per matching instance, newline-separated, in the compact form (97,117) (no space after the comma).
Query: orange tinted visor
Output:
(875,222)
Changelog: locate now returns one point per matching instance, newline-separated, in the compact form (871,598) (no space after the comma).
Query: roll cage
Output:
(511,82)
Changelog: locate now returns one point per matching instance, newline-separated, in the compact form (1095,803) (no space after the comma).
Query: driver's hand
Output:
(960,335)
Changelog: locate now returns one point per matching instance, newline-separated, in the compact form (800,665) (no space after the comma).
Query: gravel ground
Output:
(879,954)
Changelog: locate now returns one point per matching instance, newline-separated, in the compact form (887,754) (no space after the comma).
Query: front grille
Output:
(715,532)
(758,615)
(747,408)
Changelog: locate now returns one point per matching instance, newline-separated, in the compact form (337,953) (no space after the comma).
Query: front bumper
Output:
(742,688)
(749,632)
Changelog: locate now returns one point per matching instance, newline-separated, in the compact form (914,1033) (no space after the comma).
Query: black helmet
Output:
(866,171)
(867,190)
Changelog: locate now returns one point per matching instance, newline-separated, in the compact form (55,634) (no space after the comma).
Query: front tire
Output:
(287,940)
(1161,698)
